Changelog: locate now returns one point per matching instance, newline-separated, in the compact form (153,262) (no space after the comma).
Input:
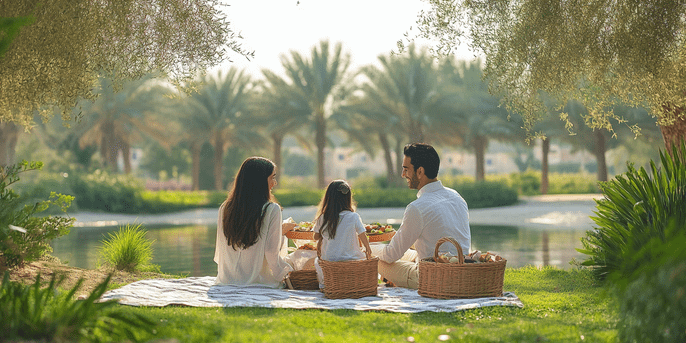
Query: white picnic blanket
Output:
(201,292)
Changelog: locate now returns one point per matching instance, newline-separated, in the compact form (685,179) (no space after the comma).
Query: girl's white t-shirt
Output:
(345,246)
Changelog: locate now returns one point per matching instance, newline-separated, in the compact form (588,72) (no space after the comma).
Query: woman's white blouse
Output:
(262,263)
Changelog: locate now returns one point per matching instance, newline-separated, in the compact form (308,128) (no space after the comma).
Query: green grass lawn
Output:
(559,306)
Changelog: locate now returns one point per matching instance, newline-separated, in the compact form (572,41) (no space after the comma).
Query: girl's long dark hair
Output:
(243,213)
(338,198)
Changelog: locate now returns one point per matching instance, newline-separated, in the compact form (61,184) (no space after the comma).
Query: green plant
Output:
(23,236)
(103,191)
(35,313)
(636,208)
(127,249)
(652,300)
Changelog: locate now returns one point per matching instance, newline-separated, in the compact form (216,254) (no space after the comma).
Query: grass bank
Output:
(559,306)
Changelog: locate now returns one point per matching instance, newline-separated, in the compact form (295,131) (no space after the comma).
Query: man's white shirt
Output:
(438,212)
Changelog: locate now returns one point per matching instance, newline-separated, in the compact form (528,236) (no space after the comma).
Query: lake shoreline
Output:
(557,211)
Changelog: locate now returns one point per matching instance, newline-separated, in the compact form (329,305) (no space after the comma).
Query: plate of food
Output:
(308,246)
(377,232)
(302,231)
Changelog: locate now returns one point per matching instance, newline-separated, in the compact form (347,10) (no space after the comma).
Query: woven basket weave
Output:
(460,280)
(302,279)
(349,279)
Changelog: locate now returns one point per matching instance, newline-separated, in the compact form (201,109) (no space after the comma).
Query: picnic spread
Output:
(202,292)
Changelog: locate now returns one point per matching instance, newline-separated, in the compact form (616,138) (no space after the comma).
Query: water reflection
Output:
(189,250)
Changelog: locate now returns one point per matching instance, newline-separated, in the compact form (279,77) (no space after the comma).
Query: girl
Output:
(249,229)
(338,228)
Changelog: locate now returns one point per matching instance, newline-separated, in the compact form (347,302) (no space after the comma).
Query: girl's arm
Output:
(365,243)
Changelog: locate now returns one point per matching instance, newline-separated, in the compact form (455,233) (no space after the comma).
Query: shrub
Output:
(106,192)
(652,300)
(635,209)
(298,197)
(24,237)
(170,201)
(44,314)
(527,183)
(128,250)
(487,194)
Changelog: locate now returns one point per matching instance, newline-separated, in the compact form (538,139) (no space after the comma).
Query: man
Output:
(438,212)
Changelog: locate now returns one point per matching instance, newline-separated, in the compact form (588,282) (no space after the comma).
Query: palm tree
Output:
(282,108)
(482,117)
(217,113)
(318,78)
(406,87)
(117,118)
(368,126)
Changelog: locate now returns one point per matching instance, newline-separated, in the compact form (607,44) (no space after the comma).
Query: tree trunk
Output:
(480,143)
(109,148)
(415,133)
(277,140)
(218,163)
(545,151)
(126,156)
(675,134)
(399,160)
(599,152)
(195,167)
(9,135)
(388,158)
(320,141)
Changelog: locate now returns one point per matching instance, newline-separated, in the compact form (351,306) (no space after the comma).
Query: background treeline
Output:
(295,116)
(119,193)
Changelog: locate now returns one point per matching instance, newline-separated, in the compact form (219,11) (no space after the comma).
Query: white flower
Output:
(16,228)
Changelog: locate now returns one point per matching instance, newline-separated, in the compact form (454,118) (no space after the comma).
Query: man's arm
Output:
(406,235)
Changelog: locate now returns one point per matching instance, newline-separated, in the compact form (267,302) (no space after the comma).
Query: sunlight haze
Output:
(367,29)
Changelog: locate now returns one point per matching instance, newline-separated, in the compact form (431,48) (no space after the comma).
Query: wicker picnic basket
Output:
(349,279)
(302,279)
(459,280)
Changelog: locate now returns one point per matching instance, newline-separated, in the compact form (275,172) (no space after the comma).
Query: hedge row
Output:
(105,192)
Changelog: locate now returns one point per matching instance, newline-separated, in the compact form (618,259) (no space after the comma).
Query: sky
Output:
(367,28)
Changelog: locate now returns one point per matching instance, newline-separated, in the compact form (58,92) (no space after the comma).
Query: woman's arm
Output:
(274,242)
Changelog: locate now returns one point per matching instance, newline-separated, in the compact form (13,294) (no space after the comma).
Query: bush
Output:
(487,194)
(527,183)
(298,197)
(572,183)
(652,300)
(171,201)
(44,314)
(103,191)
(636,208)
(24,237)
(128,250)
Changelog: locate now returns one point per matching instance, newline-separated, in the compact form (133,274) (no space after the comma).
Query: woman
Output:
(250,230)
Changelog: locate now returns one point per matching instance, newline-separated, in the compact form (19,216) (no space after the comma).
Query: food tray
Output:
(300,235)
(382,237)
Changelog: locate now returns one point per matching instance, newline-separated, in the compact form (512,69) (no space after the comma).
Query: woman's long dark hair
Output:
(338,198)
(243,213)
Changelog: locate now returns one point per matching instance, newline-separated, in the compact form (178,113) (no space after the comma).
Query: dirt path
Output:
(92,277)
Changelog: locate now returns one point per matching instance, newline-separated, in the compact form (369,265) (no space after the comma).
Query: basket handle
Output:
(460,256)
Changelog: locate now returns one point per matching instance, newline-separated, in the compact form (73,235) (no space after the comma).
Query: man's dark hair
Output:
(423,155)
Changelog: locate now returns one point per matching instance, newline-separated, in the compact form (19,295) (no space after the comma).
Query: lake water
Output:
(189,249)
